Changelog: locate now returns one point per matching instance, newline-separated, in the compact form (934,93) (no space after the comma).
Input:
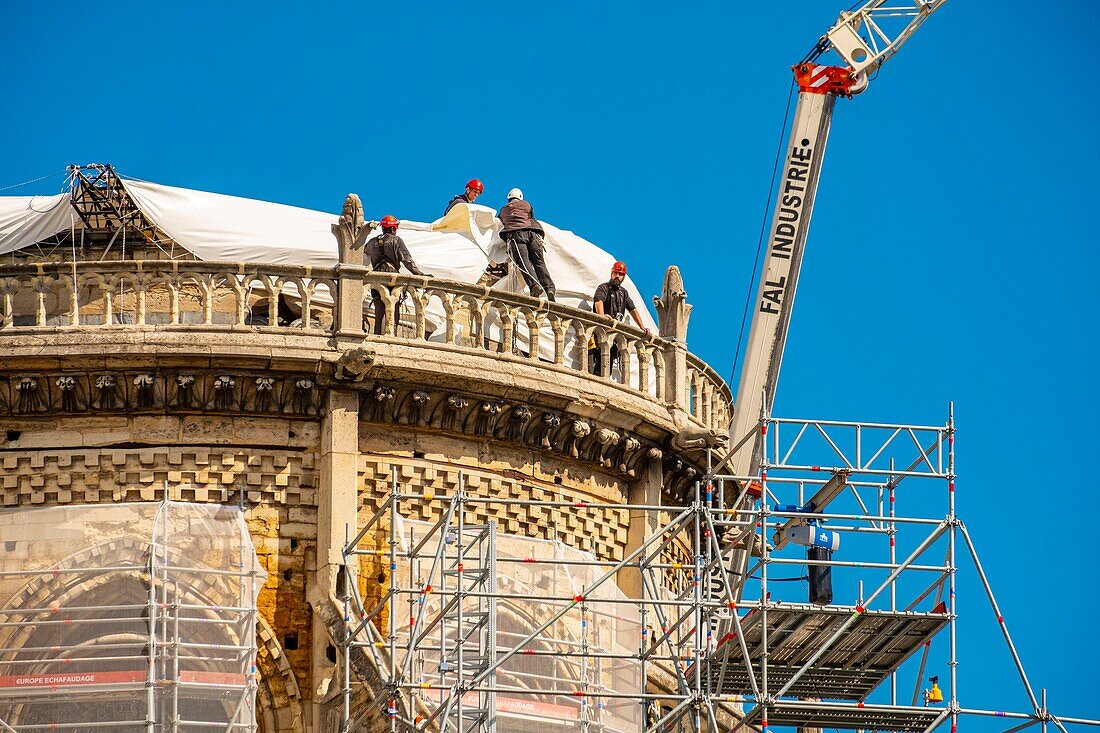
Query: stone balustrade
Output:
(435,313)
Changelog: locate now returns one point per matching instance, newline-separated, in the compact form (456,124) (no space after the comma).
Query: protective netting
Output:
(118,617)
(475,603)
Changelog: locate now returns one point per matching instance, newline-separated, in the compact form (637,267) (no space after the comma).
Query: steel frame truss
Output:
(101,201)
(866,37)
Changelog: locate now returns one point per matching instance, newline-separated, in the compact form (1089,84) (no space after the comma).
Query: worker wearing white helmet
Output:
(526,248)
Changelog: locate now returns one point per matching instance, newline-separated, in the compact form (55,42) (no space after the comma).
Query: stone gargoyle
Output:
(693,438)
(354,364)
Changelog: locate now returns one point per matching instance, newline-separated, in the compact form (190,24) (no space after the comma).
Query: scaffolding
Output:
(127,617)
(720,633)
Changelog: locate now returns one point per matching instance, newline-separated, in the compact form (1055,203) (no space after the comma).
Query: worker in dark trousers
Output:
(387,253)
(473,189)
(611,299)
(526,248)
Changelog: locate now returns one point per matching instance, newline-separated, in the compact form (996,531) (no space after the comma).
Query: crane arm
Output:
(771,316)
(865,39)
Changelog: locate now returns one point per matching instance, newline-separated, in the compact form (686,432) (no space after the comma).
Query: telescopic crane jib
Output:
(864,39)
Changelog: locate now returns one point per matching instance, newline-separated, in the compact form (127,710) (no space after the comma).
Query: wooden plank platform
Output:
(874,645)
(806,714)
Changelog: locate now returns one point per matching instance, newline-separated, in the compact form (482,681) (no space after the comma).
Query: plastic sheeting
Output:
(25,220)
(576,265)
(215,226)
(88,639)
(538,579)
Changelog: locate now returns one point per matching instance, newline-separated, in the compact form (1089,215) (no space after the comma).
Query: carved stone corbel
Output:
(482,420)
(624,455)
(264,391)
(448,412)
(573,437)
(107,387)
(541,432)
(69,396)
(414,408)
(145,384)
(381,399)
(603,444)
(185,390)
(513,426)
(225,388)
(302,403)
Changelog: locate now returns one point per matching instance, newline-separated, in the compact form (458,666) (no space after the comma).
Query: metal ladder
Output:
(468,626)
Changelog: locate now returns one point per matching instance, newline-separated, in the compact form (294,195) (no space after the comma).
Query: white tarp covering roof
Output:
(215,226)
(25,220)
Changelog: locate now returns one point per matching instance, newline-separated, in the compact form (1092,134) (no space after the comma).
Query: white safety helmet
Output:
(515,193)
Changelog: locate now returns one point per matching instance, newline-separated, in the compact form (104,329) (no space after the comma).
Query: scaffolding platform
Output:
(807,714)
(536,635)
(874,644)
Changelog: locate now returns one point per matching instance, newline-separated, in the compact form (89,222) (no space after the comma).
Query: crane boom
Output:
(864,39)
(867,38)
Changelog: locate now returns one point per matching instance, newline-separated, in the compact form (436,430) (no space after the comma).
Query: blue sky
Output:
(950,258)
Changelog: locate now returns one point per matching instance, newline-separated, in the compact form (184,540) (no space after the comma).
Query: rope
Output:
(763,227)
(44,211)
(35,180)
(519,265)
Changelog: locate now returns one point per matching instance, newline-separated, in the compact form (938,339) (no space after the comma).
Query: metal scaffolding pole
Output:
(161,618)
(714,628)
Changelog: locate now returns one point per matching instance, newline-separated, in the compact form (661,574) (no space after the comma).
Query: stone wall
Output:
(75,459)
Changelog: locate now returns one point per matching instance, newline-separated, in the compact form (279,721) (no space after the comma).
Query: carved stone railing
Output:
(221,296)
(185,294)
(708,395)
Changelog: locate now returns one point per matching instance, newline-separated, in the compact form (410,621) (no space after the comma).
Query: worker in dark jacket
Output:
(387,253)
(612,299)
(523,234)
(473,189)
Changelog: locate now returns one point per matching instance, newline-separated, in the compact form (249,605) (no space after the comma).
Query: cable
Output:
(36,180)
(763,227)
(30,204)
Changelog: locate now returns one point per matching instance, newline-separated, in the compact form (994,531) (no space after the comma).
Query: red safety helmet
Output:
(390,222)
(476,185)
(619,268)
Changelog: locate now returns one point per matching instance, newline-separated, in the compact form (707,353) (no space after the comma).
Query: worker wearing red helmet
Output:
(474,188)
(612,299)
(387,253)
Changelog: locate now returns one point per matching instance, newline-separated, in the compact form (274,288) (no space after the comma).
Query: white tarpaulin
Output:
(214,226)
(576,265)
(25,220)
